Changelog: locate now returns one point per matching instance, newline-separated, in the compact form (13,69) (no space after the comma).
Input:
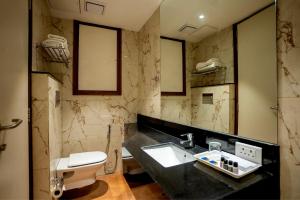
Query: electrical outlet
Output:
(248,152)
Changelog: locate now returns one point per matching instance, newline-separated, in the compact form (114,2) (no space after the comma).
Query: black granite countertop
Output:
(190,180)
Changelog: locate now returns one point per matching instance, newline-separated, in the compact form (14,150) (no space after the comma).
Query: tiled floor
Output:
(144,188)
(115,187)
(150,191)
(109,187)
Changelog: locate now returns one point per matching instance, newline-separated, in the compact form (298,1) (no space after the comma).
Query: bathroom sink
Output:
(168,154)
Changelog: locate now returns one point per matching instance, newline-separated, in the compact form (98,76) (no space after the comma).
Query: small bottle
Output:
(222,162)
(225,165)
(230,165)
(235,168)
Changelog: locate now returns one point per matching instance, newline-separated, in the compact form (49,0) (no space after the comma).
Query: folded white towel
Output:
(201,65)
(208,65)
(207,68)
(57,37)
(53,43)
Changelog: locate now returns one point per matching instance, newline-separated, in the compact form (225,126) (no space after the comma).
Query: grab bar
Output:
(16,122)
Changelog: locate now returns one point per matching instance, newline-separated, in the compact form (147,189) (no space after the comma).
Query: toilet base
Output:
(77,177)
(131,166)
(79,184)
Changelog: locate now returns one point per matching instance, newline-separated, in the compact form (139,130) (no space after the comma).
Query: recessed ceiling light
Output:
(201,16)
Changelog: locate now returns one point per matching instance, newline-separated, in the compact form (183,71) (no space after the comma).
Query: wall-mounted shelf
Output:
(56,54)
(212,85)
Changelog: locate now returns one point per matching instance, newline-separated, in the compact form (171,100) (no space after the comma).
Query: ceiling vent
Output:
(94,7)
(187,29)
(204,31)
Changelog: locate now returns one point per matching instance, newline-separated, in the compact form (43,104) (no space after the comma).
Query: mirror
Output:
(96,73)
(173,71)
(230,66)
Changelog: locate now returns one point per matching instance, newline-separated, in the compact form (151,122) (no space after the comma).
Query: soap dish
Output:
(213,158)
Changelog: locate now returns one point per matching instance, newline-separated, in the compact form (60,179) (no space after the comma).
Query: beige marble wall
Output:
(178,108)
(288,35)
(93,123)
(55,123)
(218,116)
(40,138)
(46,133)
(42,25)
(149,67)
(218,45)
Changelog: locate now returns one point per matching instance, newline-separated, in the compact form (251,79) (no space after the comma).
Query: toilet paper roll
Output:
(57,190)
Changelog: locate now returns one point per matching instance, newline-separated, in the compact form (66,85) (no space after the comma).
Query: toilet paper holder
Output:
(56,187)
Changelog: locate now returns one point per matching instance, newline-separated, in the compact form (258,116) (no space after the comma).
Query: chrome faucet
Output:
(189,143)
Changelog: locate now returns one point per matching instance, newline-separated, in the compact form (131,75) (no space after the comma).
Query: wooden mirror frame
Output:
(183,92)
(76,90)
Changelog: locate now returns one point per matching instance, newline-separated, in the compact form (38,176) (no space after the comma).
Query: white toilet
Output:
(130,165)
(79,169)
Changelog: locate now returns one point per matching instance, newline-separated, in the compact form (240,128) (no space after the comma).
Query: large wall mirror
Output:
(230,59)
(173,69)
(97,59)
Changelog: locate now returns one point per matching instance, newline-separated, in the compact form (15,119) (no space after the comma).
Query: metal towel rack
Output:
(15,123)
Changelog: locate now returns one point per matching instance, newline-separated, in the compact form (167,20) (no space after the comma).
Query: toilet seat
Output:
(86,158)
(126,154)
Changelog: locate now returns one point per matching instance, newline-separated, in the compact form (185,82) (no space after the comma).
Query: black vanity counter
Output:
(194,180)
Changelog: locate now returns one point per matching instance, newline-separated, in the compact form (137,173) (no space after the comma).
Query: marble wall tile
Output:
(93,125)
(40,126)
(55,124)
(218,45)
(149,67)
(288,35)
(178,108)
(218,116)
(42,25)
(46,132)
(289,141)
(86,119)
(288,44)
(41,184)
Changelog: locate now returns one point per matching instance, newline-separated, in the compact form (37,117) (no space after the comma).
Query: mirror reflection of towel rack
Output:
(15,123)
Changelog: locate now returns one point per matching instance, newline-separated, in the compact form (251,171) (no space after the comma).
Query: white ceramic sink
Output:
(168,154)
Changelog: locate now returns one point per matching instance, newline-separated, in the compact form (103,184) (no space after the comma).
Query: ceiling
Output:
(218,14)
(126,14)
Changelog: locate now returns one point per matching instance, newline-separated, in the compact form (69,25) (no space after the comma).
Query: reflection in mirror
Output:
(230,49)
(172,67)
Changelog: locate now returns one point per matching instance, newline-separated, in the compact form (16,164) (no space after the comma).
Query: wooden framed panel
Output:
(173,69)
(96,60)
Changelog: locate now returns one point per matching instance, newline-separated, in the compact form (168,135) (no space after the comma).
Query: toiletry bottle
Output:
(225,166)
(230,165)
(235,168)
(222,162)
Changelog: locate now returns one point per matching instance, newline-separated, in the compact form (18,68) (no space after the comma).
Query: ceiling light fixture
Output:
(201,16)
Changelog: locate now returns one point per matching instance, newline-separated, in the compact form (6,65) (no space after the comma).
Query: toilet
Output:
(79,169)
(130,165)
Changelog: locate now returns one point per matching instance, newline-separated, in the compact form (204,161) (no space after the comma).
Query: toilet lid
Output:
(85,158)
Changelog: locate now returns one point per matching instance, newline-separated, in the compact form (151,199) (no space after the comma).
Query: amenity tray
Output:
(213,159)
